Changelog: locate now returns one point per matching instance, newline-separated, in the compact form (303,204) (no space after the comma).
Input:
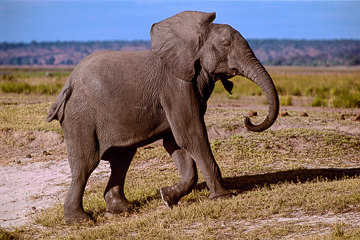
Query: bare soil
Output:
(34,174)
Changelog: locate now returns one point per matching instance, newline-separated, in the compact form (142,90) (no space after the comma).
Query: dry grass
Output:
(26,114)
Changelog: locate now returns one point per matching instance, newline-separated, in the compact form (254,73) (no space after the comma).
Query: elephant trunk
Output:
(256,72)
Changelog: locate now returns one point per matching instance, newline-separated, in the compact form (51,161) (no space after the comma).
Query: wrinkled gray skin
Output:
(115,102)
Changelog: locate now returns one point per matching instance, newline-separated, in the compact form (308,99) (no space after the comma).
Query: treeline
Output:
(61,53)
(307,52)
(270,52)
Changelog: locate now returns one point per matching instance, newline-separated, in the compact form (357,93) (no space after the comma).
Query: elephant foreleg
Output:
(188,128)
(187,168)
(114,193)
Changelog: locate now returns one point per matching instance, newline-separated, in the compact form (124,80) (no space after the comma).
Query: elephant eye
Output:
(225,41)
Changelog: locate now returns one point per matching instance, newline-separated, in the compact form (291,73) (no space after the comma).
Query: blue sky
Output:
(79,20)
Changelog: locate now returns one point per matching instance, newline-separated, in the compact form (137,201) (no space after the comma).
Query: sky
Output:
(80,20)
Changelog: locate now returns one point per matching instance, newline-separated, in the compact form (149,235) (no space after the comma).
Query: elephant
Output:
(115,102)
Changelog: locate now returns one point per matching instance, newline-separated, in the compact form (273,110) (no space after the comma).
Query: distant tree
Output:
(354,60)
(50,61)
(67,62)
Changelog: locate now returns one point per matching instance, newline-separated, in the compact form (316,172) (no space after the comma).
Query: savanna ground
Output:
(297,180)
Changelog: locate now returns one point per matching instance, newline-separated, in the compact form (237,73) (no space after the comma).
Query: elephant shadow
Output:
(242,184)
(248,183)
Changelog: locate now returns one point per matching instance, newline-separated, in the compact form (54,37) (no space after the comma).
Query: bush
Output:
(319,102)
(286,101)
(296,92)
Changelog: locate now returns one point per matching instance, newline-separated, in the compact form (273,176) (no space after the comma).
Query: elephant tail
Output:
(56,110)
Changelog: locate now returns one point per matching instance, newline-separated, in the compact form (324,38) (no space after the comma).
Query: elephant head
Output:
(190,45)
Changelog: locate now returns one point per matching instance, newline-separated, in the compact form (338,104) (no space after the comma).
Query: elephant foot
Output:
(76,217)
(167,196)
(117,205)
(221,194)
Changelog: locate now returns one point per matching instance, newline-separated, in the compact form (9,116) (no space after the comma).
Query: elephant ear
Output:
(177,40)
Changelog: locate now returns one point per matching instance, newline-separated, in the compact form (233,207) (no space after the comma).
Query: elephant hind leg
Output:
(187,168)
(120,160)
(83,153)
(83,159)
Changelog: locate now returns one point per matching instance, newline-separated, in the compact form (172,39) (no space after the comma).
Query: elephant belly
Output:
(130,131)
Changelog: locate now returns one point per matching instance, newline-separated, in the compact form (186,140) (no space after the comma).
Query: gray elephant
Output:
(115,102)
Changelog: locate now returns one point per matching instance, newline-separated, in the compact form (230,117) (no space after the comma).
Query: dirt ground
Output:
(36,175)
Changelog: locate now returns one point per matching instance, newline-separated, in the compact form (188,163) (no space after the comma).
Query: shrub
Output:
(286,101)
(346,99)
(319,102)
(296,92)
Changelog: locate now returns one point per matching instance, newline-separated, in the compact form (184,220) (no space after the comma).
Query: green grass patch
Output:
(32,81)
(337,97)
(24,73)
(25,88)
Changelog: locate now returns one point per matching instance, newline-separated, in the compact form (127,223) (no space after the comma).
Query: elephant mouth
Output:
(232,73)
(235,72)
(229,74)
